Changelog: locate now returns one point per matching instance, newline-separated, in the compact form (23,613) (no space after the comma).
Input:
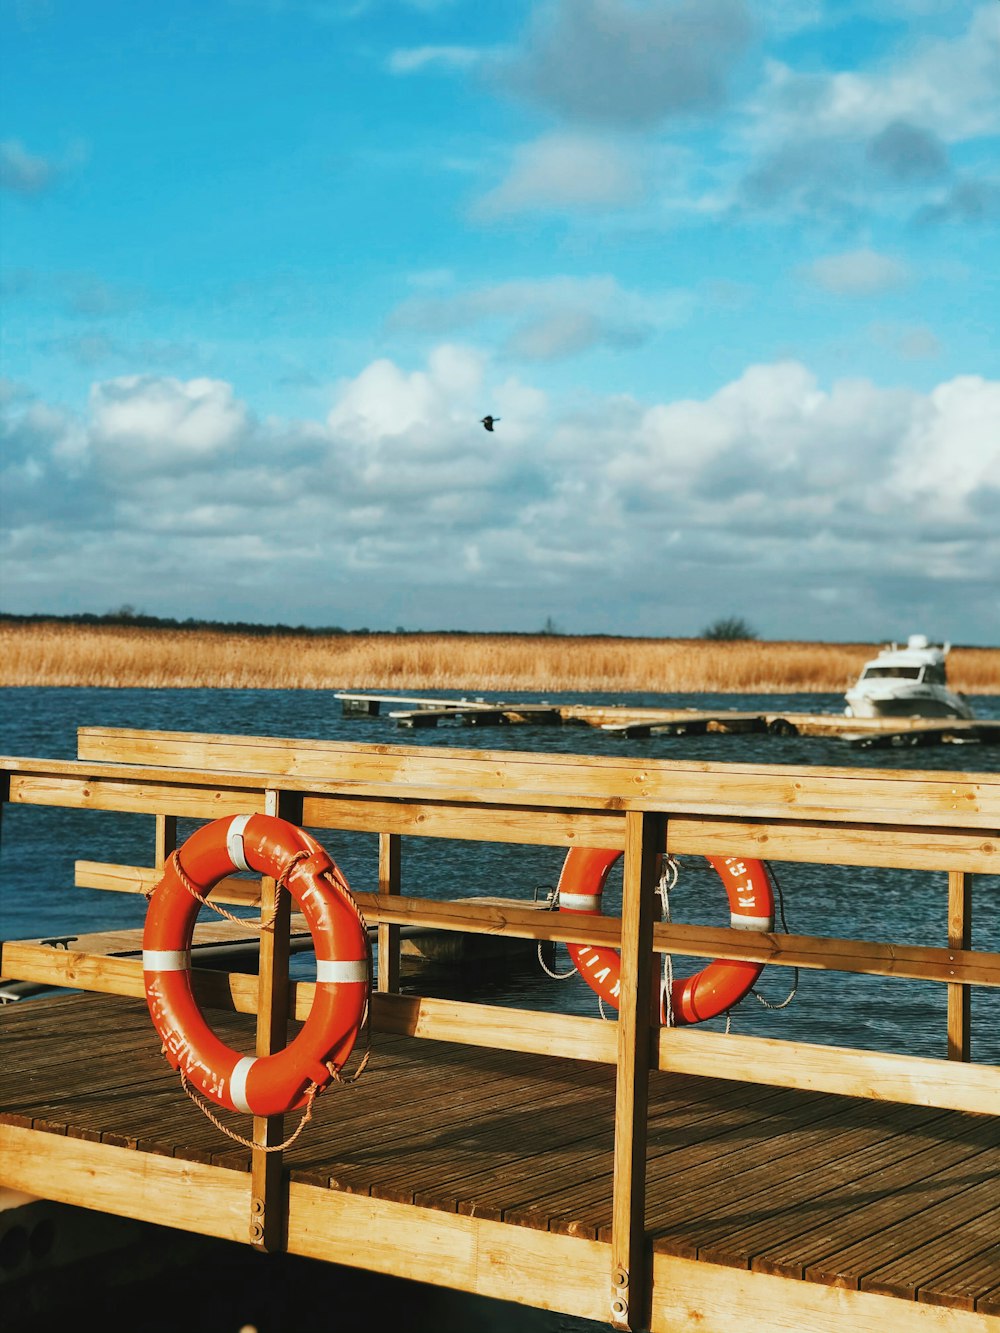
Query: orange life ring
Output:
(271,1084)
(713,990)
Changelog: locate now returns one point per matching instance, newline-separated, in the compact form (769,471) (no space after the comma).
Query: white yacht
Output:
(906,681)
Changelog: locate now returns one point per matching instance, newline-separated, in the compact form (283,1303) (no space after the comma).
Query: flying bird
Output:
(488,422)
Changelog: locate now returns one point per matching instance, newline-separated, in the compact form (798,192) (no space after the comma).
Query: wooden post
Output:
(166,838)
(267,1196)
(959,937)
(644,840)
(389,865)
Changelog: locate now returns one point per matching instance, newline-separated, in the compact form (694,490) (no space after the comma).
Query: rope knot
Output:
(263,923)
(310,1095)
(320,859)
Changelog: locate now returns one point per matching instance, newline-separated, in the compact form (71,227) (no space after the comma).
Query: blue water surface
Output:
(40,846)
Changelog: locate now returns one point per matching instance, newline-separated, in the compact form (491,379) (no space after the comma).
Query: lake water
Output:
(37,897)
(40,845)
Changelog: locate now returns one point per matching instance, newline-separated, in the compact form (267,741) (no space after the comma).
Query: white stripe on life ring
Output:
(166,960)
(234,841)
(238,1083)
(332,970)
(751,922)
(580,902)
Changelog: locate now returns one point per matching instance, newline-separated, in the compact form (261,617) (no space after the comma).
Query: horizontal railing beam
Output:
(125,795)
(568,782)
(523,824)
(916,1080)
(821,953)
(946,848)
(844,1070)
(942,849)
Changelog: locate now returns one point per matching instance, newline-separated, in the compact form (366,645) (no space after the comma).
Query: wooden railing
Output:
(919,820)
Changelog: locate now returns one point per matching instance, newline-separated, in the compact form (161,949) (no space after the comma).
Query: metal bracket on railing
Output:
(256,1220)
(619,1298)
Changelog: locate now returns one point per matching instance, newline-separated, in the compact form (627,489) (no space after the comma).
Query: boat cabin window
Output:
(935,674)
(897,672)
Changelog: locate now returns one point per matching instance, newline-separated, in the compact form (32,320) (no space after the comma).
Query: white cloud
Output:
(964,201)
(622,64)
(27,173)
(23,172)
(773,490)
(384,402)
(947,85)
(555,335)
(950,455)
(565,172)
(858,273)
(846,142)
(755,425)
(147,424)
(409,60)
(912,342)
(550,318)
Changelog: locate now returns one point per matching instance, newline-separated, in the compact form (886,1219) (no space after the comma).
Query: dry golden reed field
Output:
(59,653)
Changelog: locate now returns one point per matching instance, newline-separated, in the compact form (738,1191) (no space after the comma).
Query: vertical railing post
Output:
(389,870)
(166,839)
(959,937)
(637,1016)
(267,1199)
(4,793)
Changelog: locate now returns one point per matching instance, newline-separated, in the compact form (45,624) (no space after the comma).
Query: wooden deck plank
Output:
(690,1114)
(964,1285)
(583,1207)
(339,1105)
(904,1217)
(795,1238)
(153,1113)
(977,1213)
(436,1133)
(681,1181)
(498,1135)
(873,1156)
(755,1176)
(536,1176)
(988,1301)
(508,1128)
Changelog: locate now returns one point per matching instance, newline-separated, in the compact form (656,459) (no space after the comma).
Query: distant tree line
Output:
(131,619)
(729,628)
(139,620)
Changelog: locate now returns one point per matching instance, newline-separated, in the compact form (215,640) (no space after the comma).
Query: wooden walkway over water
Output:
(652,1177)
(841,1191)
(419,712)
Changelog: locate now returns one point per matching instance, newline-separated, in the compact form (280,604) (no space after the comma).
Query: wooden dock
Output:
(853,1195)
(651,1177)
(418,712)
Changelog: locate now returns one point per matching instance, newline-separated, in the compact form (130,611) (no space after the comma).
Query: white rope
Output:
(556,976)
(668,880)
(553,898)
(771,1004)
(780,1004)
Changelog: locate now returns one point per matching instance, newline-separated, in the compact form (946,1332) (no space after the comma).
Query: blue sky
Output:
(726,272)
